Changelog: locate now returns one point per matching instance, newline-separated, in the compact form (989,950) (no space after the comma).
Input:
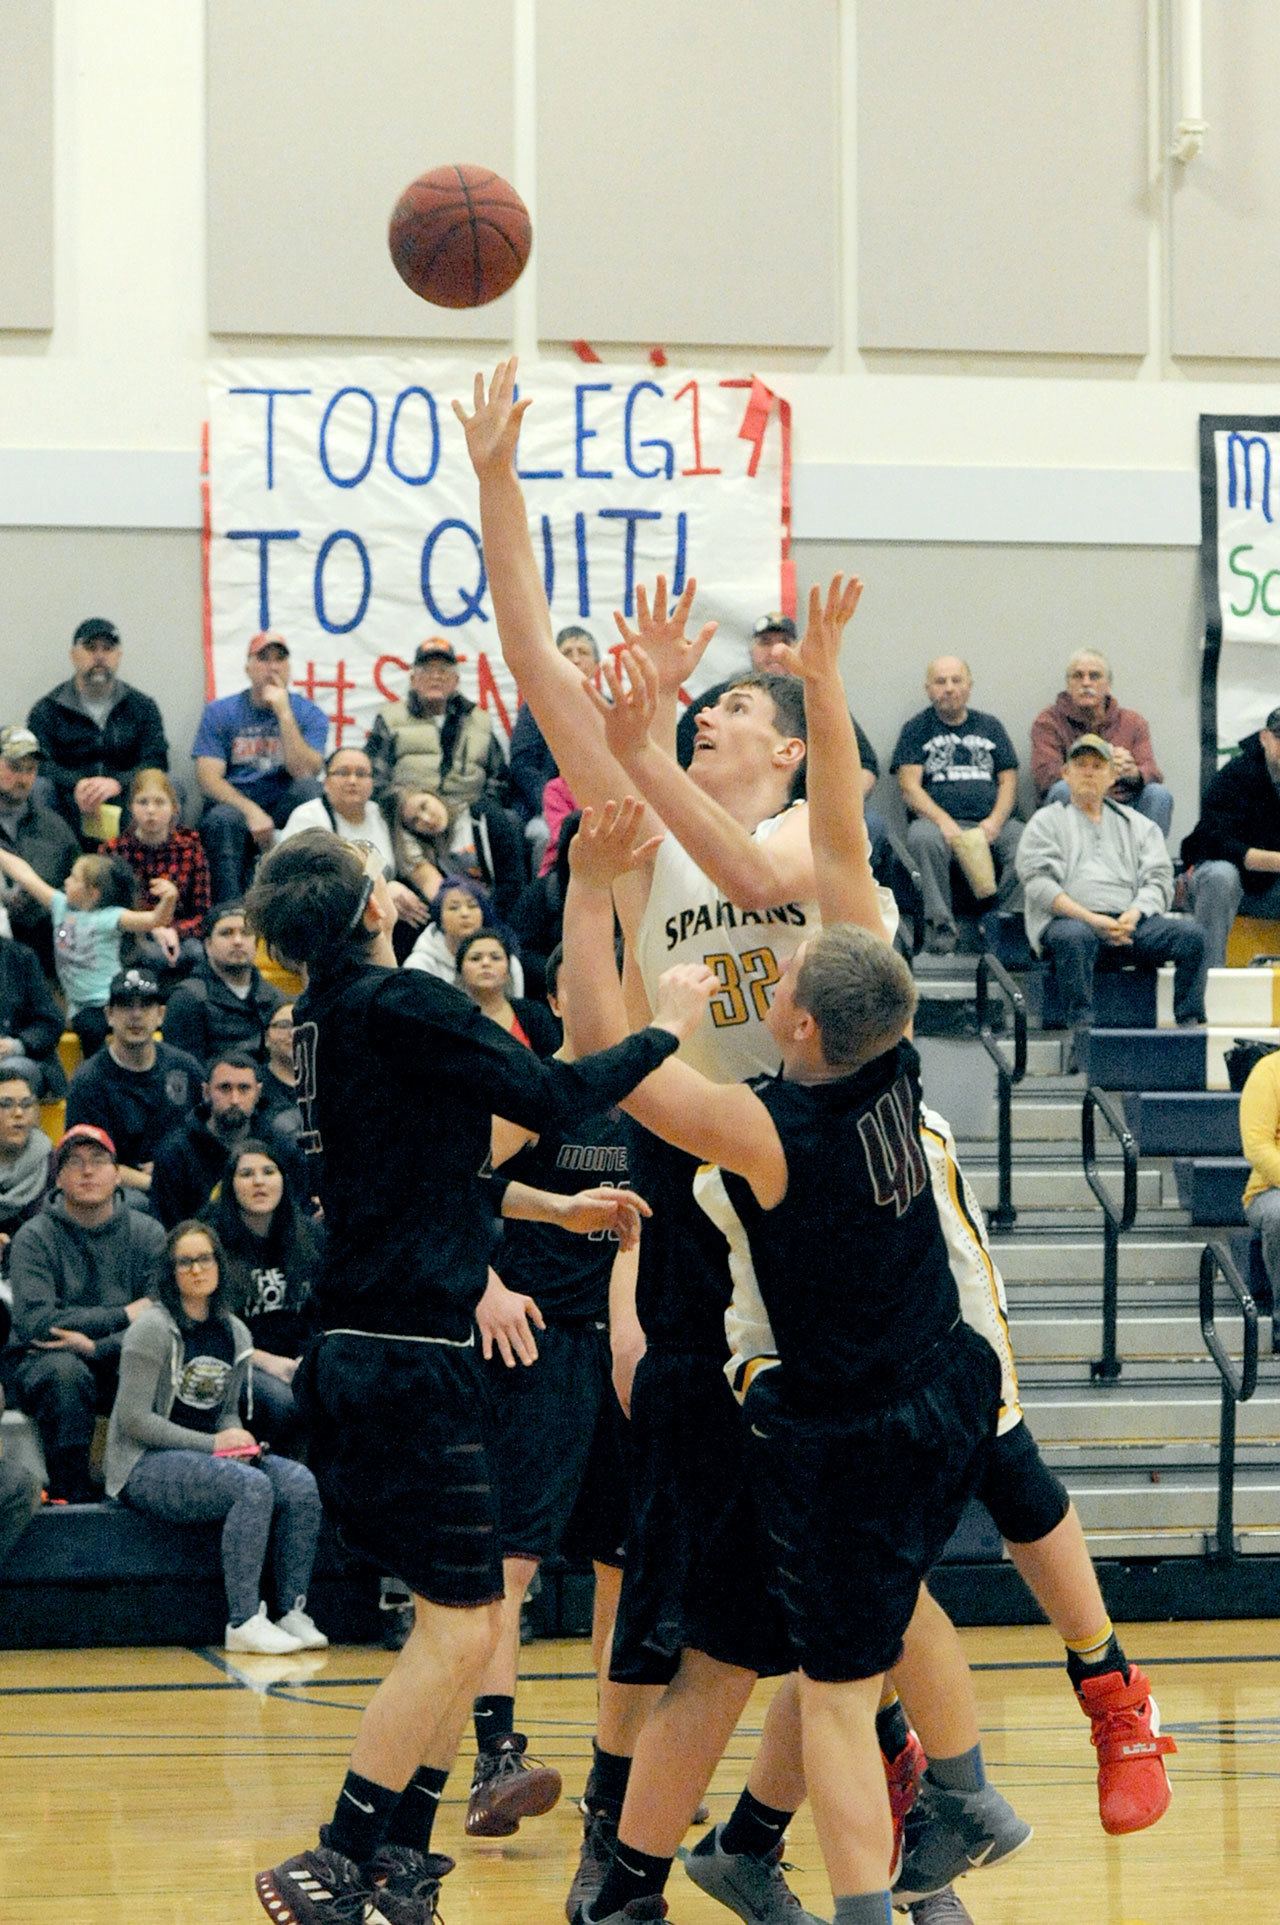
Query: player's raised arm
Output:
(845,887)
(721,1123)
(753,875)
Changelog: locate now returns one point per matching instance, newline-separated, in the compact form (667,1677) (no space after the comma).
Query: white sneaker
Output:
(259,1634)
(296,1624)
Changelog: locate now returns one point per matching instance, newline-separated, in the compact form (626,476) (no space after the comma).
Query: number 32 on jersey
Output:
(746,983)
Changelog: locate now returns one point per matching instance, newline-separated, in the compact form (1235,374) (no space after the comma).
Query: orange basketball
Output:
(460,236)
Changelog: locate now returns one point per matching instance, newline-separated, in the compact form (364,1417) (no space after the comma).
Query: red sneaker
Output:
(1133,1787)
(903,1775)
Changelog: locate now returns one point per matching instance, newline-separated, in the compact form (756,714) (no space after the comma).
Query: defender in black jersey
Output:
(398,1076)
(875,1424)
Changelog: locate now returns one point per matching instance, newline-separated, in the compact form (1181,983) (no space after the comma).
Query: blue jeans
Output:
(225,833)
(1153,800)
(192,1487)
(1074,948)
(1217,897)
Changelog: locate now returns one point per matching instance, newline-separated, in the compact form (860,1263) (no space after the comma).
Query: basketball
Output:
(460,236)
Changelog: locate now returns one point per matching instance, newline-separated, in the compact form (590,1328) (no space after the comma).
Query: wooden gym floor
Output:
(147,1785)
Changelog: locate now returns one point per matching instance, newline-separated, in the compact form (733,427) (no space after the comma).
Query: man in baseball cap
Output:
(437,738)
(258,757)
(79,1273)
(96,731)
(135,1088)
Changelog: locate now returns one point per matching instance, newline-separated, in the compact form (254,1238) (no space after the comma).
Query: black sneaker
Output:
(406,1883)
(318,1887)
(599,1837)
(507,1787)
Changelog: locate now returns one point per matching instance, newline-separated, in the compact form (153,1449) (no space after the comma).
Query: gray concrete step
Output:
(1171,1337)
(1137,1412)
(1042,1185)
(1187,1503)
(1026,1256)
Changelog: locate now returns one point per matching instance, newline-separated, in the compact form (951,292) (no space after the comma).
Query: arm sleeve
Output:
(1041,863)
(39,721)
(134,1412)
(1006,756)
(199,894)
(312,722)
(414,1015)
(907,750)
(1260,1121)
(210,736)
(1142,751)
(1223,832)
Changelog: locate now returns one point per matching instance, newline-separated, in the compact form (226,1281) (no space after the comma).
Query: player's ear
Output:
(789,754)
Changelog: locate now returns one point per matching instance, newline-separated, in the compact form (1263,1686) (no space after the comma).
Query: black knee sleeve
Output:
(1025,1498)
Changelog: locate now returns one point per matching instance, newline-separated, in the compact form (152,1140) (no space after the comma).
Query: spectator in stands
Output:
(30,1021)
(772,632)
(436,739)
(1086,706)
(436,839)
(538,918)
(1260,1140)
(153,845)
(272,1255)
(257,755)
(484,972)
(190,1160)
(279,1078)
(96,731)
(532,763)
(39,835)
(1097,872)
(226,1002)
(19,1488)
(459,909)
(958,774)
(135,1089)
(176,1448)
(89,917)
(1234,849)
(25,1156)
(80,1273)
(347,808)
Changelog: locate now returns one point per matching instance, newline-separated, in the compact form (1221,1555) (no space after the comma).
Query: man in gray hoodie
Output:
(79,1273)
(1097,873)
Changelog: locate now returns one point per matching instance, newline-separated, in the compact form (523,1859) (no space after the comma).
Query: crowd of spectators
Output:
(121,916)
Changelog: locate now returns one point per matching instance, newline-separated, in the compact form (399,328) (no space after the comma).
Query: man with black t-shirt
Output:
(390,1390)
(559,1451)
(958,771)
(136,1089)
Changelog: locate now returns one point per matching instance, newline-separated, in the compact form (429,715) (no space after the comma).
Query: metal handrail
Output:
(1116,1219)
(911,868)
(992,972)
(1238,1382)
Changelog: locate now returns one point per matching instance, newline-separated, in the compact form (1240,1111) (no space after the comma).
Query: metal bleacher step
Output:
(1032,1257)
(1044,1183)
(1186,1502)
(1170,1336)
(1157,1410)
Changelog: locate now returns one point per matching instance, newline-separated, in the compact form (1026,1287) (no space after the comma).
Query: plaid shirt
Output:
(182,859)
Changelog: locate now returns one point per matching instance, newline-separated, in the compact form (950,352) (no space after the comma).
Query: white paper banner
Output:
(1240,553)
(343,511)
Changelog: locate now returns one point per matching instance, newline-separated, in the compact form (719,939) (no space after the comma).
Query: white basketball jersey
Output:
(687,920)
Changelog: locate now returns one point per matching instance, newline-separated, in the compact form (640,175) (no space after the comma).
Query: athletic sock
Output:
(866,1908)
(631,1874)
(494,1720)
(360,1818)
(962,1773)
(1095,1657)
(753,1829)
(414,1816)
(892,1729)
(607,1783)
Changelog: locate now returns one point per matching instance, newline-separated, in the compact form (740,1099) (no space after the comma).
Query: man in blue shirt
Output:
(257,757)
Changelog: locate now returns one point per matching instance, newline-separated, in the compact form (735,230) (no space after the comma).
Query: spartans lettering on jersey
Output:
(726,915)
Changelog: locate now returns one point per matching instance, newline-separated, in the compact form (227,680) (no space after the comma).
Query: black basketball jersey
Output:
(566,1275)
(398,1078)
(683,1286)
(851,1267)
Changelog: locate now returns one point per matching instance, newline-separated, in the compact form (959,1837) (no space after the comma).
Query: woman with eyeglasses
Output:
(176,1448)
(25,1151)
(271,1259)
(347,808)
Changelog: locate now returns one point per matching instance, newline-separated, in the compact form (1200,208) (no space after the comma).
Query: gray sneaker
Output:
(754,1888)
(952,1832)
(943,1909)
(599,1836)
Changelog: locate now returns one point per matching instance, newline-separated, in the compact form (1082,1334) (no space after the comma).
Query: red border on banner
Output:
(206,546)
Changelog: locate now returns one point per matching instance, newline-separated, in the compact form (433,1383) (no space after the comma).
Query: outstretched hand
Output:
(606,1211)
(818,653)
(630,705)
(494,429)
(605,846)
(659,632)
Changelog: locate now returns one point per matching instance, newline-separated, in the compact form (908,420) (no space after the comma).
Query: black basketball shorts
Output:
(857,1507)
(398,1434)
